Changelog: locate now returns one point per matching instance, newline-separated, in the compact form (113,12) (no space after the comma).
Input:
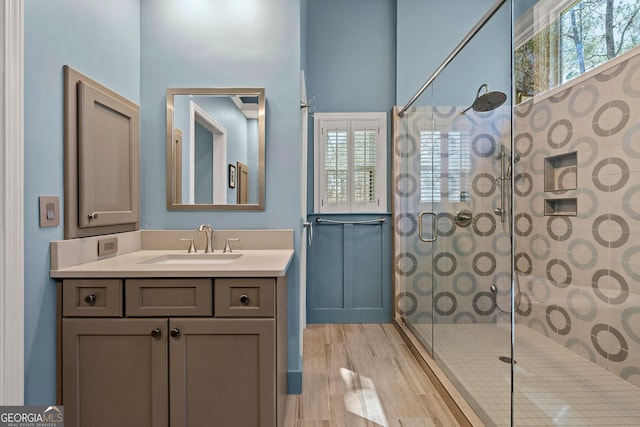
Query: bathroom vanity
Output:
(160,337)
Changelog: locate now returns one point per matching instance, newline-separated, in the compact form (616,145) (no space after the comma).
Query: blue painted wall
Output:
(103,43)
(428,30)
(486,59)
(351,54)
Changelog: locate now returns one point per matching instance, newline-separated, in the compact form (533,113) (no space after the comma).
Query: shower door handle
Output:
(434,227)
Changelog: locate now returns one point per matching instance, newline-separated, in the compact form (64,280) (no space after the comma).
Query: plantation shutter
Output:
(364,136)
(336,166)
(350,163)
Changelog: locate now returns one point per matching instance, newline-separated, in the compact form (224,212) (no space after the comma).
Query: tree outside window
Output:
(585,35)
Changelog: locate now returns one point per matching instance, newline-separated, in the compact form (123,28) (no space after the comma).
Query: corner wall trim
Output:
(12,203)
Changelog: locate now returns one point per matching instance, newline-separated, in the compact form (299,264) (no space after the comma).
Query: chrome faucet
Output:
(209,232)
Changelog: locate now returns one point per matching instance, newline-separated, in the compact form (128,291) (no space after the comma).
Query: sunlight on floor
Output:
(363,401)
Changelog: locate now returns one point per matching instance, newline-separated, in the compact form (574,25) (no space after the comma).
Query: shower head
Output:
(488,101)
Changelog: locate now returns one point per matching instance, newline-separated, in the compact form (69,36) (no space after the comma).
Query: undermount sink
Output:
(196,258)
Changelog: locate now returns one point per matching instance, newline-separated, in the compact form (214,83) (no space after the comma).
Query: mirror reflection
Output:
(215,148)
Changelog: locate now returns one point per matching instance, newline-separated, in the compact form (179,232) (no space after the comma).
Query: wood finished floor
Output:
(362,376)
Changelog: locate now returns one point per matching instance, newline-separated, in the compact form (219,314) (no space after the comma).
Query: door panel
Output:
(349,278)
(115,372)
(213,364)
(108,139)
(98,186)
(368,289)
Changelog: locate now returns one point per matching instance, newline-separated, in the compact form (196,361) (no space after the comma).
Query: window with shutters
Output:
(350,151)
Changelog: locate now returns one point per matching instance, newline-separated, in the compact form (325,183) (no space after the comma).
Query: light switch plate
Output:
(49,211)
(107,246)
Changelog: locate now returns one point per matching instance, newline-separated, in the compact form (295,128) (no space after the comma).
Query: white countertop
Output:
(252,263)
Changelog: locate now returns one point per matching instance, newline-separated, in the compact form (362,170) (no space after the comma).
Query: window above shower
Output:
(556,41)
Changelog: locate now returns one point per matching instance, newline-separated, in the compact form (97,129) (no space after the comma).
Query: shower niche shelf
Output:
(561,172)
(561,207)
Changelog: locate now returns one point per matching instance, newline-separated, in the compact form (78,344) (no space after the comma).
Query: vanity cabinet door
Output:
(115,372)
(222,372)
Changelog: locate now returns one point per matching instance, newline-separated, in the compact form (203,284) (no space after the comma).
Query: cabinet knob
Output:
(90,299)
(175,332)
(93,215)
(244,299)
(156,333)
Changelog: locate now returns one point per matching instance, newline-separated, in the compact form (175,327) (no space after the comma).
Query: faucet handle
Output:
(192,246)
(227,246)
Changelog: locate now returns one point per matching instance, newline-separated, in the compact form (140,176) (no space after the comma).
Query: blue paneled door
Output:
(349,271)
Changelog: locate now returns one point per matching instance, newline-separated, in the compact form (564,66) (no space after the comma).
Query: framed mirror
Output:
(215,149)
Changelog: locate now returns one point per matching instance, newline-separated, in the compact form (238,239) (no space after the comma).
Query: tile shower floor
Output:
(553,385)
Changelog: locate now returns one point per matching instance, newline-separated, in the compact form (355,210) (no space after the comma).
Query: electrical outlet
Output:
(107,246)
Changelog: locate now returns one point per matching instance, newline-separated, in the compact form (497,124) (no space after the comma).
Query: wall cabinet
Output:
(170,369)
(102,157)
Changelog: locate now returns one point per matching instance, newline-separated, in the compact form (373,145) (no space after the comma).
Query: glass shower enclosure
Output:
(453,249)
(515,264)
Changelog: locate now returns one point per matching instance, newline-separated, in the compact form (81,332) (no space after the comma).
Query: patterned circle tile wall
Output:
(582,288)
